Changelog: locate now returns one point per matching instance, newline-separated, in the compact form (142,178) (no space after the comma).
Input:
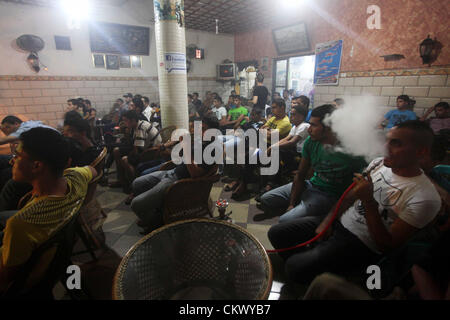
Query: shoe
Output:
(140,223)
(129,199)
(231,186)
(115,184)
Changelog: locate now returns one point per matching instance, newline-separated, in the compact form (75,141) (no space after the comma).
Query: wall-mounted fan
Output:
(32,44)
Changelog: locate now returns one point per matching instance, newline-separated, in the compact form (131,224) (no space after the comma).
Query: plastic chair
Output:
(200,259)
(62,241)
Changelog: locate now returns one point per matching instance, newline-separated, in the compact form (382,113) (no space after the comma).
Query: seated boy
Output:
(57,194)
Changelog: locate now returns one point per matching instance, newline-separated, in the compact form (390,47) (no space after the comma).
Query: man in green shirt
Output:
(333,173)
(237,114)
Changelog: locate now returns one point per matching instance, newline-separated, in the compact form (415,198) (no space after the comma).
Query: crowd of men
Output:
(401,194)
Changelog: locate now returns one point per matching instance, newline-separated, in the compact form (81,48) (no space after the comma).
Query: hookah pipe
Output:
(333,217)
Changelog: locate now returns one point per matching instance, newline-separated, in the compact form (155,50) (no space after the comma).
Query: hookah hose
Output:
(336,210)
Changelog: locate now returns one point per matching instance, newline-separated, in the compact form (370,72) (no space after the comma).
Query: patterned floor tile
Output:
(260,233)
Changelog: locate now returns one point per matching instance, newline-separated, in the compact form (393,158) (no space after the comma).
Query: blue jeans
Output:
(313,202)
(149,193)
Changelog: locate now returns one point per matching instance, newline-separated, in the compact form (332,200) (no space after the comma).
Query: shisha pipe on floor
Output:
(336,210)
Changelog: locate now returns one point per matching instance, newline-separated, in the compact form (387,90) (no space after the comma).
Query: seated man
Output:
(291,146)
(442,119)
(82,152)
(395,117)
(219,110)
(236,115)
(333,172)
(380,214)
(148,110)
(13,127)
(279,122)
(41,156)
(149,189)
(144,135)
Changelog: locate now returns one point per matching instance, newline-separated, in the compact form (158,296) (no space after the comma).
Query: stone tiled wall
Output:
(44,98)
(423,86)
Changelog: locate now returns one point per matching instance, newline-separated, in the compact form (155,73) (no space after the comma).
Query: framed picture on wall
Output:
(112,62)
(136,62)
(125,62)
(291,39)
(98,60)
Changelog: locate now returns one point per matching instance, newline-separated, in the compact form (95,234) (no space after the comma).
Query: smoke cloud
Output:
(356,126)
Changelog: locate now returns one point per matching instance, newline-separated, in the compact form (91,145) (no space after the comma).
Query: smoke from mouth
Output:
(356,127)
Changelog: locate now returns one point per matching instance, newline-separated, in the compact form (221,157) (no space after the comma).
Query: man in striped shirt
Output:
(145,135)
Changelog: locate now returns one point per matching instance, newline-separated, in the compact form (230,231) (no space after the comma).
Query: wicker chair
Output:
(61,243)
(200,259)
(166,133)
(92,216)
(188,198)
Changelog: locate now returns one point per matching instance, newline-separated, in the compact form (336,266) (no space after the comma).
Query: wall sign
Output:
(175,63)
(328,63)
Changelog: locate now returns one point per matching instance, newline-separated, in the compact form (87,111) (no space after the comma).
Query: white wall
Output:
(16,19)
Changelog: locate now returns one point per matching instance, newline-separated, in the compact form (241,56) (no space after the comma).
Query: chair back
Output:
(189,198)
(166,133)
(195,259)
(98,164)
(62,241)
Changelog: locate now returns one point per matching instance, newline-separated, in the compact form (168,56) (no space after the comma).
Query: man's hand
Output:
(363,189)
(327,233)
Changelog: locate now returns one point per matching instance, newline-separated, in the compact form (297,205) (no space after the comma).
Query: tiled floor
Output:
(122,233)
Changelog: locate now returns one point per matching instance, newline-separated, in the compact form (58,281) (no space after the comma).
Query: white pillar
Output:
(171,53)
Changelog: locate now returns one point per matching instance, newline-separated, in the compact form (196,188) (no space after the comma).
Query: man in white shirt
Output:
(381,213)
(290,147)
(148,110)
(219,110)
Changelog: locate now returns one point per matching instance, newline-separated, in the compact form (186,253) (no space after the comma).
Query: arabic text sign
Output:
(328,63)
(175,63)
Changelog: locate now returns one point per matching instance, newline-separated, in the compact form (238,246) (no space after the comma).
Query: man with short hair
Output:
(395,117)
(149,190)
(333,172)
(57,194)
(196,101)
(219,110)
(145,135)
(148,110)
(126,106)
(236,115)
(380,214)
(442,119)
(260,94)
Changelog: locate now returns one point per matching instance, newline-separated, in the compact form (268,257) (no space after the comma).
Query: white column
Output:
(171,53)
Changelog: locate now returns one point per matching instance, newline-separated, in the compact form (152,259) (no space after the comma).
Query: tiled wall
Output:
(426,86)
(44,98)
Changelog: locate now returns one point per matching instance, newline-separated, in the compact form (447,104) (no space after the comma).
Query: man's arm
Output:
(93,171)
(8,139)
(299,182)
(7,275)
(386,240)
(255,100)
(427,113)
